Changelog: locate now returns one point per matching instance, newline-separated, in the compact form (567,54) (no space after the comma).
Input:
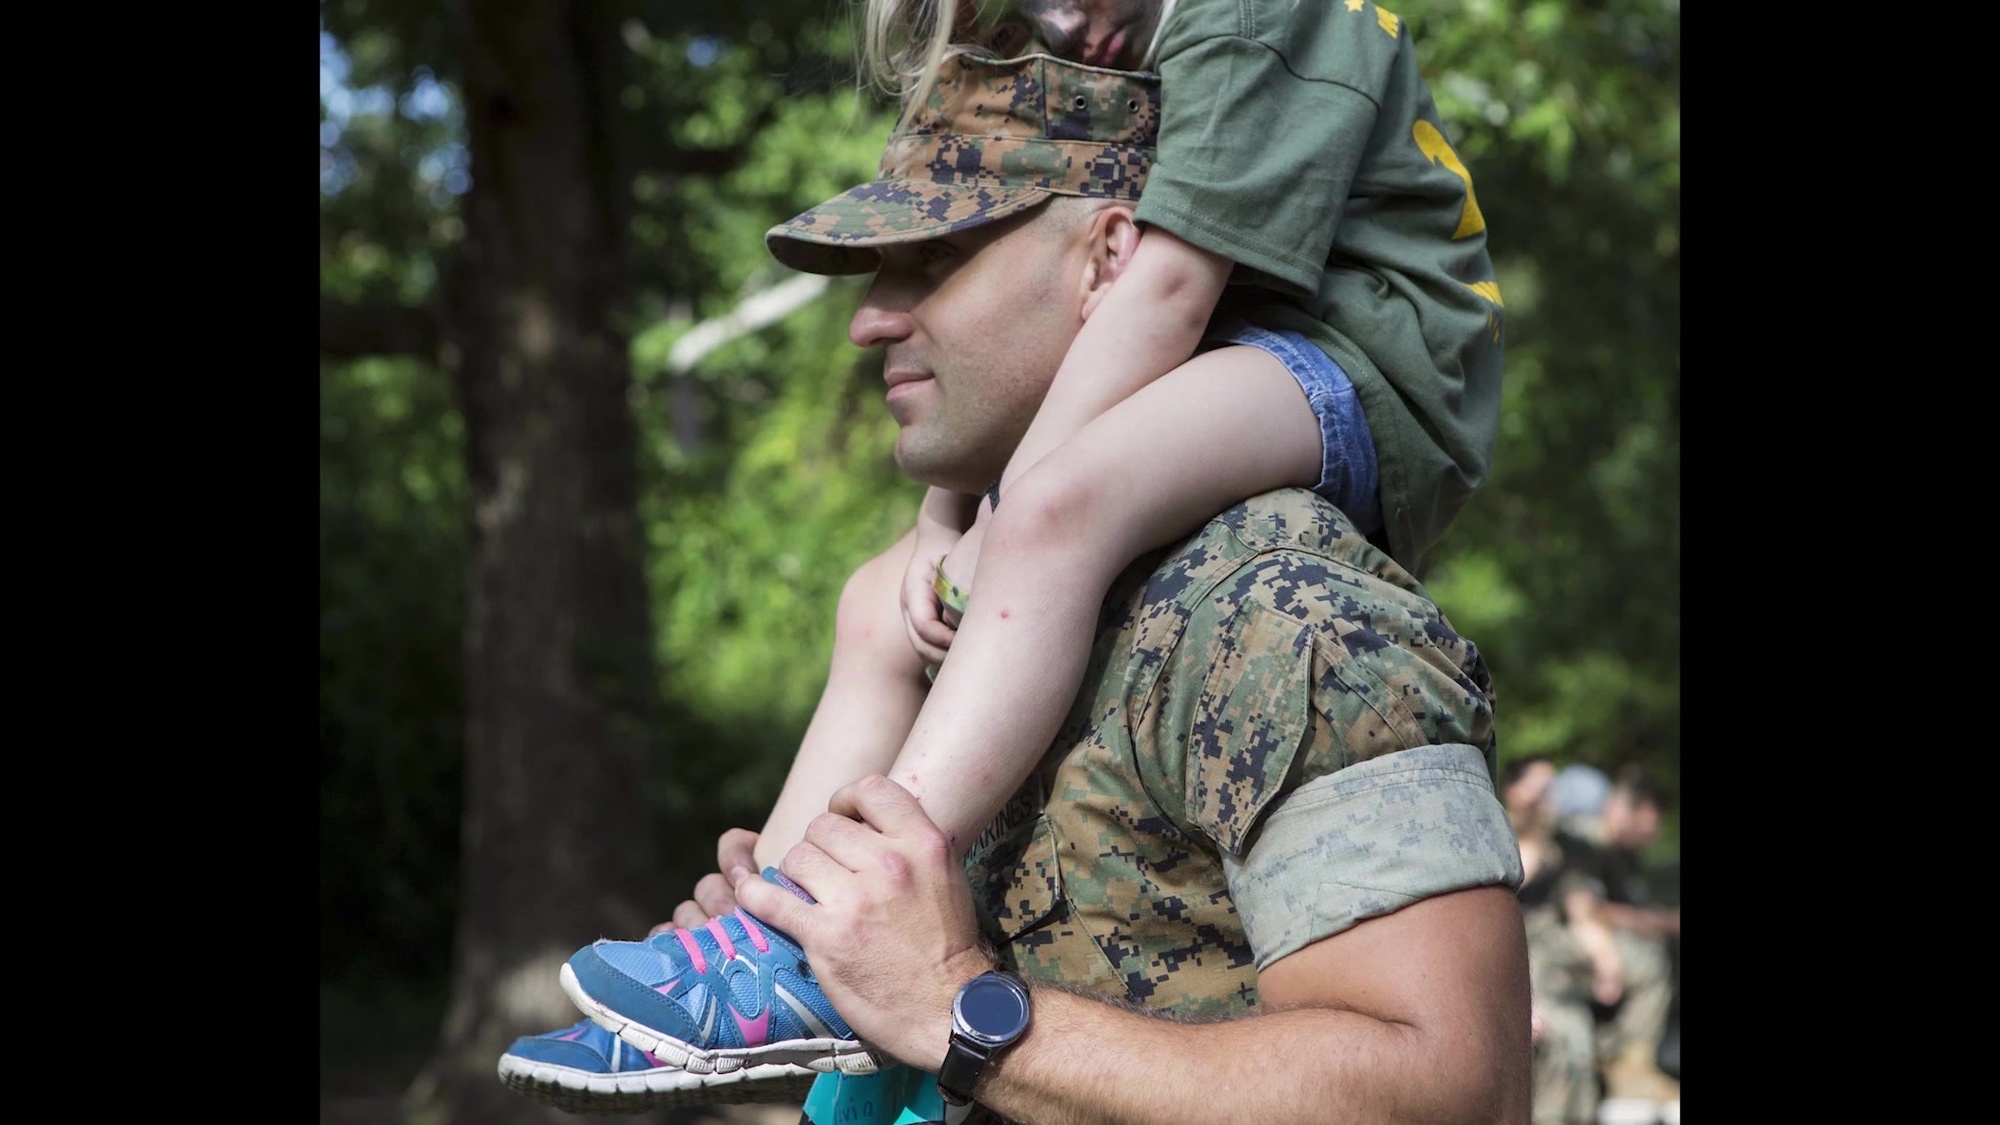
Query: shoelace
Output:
(724,943)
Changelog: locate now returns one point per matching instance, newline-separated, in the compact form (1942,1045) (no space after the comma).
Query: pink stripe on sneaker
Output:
(722,937)
(757,937)
(694,950)
(756,1032)
(572,1035)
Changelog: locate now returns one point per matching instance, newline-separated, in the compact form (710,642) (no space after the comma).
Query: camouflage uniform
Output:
(1279,736)
(1559,975)
(994,139)
(1628,1042)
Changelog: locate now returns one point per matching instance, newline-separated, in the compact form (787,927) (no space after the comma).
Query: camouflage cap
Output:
(995,137)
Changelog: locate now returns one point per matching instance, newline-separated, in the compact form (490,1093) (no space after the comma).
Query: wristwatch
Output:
(989,1014)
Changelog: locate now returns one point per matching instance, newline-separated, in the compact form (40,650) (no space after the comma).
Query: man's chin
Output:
(926,465)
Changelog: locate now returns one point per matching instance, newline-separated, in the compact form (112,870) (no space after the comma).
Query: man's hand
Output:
(1607,984)
(892,936)
(714,894)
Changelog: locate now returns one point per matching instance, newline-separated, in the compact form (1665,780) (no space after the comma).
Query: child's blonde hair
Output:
(903,41)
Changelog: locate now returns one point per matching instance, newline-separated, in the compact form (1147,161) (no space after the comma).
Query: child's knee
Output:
(870,613)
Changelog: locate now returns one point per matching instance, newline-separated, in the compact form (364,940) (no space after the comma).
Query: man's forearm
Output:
(1085,1062)
(1651,921)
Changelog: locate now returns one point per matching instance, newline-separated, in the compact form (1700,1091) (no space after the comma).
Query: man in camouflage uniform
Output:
(1556,900)
(1628,1041)
(1273,796)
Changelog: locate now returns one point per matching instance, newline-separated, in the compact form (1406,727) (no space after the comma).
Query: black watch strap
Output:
(963,1064)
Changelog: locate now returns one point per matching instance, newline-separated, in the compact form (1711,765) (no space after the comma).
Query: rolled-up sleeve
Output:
(1368,840)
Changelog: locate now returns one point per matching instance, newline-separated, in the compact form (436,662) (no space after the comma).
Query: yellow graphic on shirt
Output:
(1491,291)
(1390,21)
(1355,5)
(1437,150)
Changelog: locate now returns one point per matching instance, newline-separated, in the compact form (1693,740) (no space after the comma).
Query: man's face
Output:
(1631,823)
(1107,33)
(1642,824)
(973,327)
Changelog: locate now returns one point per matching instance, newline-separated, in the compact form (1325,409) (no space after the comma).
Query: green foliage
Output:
(1566,569)
(392,557)
(746,571)
(790,485)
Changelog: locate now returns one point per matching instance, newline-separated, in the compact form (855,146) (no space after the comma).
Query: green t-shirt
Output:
(1299,140)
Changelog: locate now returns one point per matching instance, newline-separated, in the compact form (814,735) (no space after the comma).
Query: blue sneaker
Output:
(586,1069)
(732,994)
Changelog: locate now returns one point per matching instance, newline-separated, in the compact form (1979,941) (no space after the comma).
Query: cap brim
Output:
(844,235)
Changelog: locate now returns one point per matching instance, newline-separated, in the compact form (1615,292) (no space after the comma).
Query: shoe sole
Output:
(819,1056)
(639,1091)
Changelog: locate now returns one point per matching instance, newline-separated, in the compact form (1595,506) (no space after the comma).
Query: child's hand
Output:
(941,521)
(963,558)
(922,615)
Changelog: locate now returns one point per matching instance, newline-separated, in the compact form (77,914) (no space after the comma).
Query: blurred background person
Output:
(1647,933)
(1572,958)
(1604,827)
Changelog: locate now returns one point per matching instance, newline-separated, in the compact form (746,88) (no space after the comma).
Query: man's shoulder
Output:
(1266,586)
(1270,548)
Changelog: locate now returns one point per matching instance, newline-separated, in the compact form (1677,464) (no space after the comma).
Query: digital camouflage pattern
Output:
(1270,652)
(994,138)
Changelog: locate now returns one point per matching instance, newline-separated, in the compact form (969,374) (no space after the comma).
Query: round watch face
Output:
(993,1009)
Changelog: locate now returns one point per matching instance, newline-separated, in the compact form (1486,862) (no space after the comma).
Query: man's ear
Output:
(1110,241)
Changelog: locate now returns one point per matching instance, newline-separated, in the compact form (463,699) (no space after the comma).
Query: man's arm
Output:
(1418,1015)
(1583,910)
(1652,921)
(1414,1016)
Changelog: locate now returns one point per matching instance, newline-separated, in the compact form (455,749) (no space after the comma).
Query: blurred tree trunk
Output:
(559,674)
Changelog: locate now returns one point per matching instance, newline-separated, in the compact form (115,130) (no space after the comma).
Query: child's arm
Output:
(1103,481)
(1147,325)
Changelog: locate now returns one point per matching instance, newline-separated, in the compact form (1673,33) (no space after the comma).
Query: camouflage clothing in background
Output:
(1559,977)
(1278,737)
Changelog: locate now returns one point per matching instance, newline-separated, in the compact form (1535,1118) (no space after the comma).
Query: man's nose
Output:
(884,315)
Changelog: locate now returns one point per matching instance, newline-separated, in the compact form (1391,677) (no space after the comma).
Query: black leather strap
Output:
(963,1063)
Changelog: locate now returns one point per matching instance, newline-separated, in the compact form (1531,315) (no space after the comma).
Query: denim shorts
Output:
(1348,472)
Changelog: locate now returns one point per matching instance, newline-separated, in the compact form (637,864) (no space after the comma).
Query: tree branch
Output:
(762,308)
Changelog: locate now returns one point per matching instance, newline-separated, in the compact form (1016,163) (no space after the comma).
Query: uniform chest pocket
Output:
(1016,882)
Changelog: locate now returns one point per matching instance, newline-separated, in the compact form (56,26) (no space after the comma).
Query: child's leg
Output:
(1222,427)
(873,691)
